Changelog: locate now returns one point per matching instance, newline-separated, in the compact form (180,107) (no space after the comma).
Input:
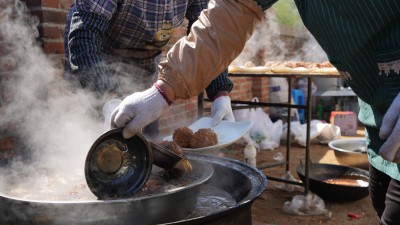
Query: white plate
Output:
(227,132)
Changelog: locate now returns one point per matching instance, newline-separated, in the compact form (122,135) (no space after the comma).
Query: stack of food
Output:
(186,138)
(286,67)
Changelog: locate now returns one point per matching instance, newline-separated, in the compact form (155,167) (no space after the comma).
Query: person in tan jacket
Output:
(361,39)
(192,63)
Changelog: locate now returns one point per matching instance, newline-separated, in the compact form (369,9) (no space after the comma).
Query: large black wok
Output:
(320,172)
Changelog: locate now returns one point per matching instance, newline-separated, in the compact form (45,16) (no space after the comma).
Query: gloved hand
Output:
(138,110)
(390,130)
(221,110)
(107,110)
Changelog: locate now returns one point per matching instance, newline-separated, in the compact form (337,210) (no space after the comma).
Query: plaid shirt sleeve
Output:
(85,49)
(265,4)
(194,9)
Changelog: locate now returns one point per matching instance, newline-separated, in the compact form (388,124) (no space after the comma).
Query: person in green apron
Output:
(361,39)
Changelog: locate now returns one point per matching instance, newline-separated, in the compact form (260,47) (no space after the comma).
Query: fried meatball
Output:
(171,146)
(203,138)
(182,136)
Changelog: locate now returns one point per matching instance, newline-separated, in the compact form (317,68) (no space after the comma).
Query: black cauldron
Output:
(241,181)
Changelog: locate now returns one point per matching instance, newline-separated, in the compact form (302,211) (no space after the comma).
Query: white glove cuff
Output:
(162,93)
(154,96)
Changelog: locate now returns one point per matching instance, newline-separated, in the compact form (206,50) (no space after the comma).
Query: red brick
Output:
(50,3)
(32,3)
(7,144)
(66,4)
(56,17)
(53,47)
(47,31)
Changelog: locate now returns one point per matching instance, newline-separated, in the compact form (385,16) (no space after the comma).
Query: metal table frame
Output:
(308,111)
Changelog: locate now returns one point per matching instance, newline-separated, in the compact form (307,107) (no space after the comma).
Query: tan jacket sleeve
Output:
(215,40)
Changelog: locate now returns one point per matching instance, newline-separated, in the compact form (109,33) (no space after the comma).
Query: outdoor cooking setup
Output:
(128,181)
(216,191)
(306,170)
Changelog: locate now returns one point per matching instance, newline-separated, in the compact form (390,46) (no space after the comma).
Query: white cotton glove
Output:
(107,110)
(390,130)
(221,110)
(138,110)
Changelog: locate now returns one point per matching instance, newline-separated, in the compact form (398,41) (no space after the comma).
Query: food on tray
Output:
(294,67)
(182,136)
(171,146)
(203,138)
(249,64)
(249,67)
(185,138)
(286,67)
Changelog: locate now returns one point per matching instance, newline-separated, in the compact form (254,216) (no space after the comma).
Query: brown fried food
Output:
(172,147)
(182,136)
(203,138)
(326,64)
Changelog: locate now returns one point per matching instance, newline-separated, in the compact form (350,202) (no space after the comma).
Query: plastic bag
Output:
(263,133)
(274,138)
(319,132)
(278,92)
(260,123)
(241,115)
(310,204)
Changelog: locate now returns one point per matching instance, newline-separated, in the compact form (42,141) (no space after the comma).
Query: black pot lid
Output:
(116,167)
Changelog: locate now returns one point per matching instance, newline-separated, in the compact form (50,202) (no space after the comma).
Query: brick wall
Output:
(52,15)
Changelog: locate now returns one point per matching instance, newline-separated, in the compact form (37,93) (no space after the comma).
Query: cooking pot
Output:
(320,174)
(242,182)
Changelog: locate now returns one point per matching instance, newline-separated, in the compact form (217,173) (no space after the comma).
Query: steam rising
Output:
(56,125)
(266,44)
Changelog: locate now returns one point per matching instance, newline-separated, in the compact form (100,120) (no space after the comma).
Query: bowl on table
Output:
(351,152)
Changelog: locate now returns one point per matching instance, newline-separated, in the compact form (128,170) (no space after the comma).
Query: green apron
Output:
(359,35)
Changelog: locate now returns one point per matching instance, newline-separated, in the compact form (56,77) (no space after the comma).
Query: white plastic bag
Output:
(278,92)
(320,132)
(241,115)
(263,133)
(260,123)
(274,137)
(306,205)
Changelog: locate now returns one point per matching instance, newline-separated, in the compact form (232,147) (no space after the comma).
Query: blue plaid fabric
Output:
(134,30)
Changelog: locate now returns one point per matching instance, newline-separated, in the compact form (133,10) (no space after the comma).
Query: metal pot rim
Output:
(332,145)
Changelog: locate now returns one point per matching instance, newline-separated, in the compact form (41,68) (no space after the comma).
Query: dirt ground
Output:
(268,208)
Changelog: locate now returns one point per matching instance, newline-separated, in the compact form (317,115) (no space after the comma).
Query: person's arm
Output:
(85,45)
(222,83)
(215,40)
(390,131)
